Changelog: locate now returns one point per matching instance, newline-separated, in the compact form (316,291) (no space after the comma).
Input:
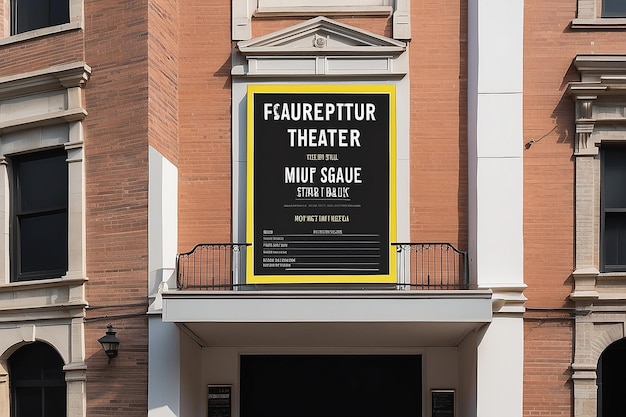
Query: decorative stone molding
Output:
(507,298)
(57,77)
(599,298)
(321,47)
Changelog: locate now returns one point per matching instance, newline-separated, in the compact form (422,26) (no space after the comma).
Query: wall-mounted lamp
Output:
(110,342)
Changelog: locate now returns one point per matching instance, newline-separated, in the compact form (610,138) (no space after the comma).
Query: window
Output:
(37,382)
(613,8)
(613,199)
(40,220)
(29,15)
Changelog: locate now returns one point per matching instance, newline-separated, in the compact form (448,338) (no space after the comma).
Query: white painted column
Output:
(164,382)
(500,366)
(164,338)
(495,135)
(162,226)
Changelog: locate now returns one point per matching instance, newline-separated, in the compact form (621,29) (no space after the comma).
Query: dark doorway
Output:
(611,385)
(331,385)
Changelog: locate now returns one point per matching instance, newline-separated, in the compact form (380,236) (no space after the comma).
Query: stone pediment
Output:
(321,36)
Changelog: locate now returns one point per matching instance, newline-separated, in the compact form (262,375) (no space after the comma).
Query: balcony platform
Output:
(328,318)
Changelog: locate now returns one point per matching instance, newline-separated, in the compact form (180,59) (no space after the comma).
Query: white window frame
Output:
(589,16)
(77,21)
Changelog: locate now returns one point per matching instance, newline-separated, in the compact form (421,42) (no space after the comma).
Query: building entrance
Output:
(330,385)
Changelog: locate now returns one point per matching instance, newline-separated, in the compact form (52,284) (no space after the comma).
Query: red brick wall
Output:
(438,72)
(116,158)
(163,77)
(40,53)
(547,357)
(377,25)
(205,133)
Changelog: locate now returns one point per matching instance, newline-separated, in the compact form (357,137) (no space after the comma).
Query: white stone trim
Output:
(243,12)
(600,99)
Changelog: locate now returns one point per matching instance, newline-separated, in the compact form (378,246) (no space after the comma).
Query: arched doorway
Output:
(611,384)
(37,382)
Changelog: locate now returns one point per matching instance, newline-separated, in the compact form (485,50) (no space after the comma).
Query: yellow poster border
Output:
(389,89)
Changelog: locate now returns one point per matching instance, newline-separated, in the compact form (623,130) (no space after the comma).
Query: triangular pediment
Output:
(321,36)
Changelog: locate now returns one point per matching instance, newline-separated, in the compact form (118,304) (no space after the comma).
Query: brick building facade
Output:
(147,182)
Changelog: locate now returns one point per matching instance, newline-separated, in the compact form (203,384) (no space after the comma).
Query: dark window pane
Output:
(59,12)
(40,215)
(35,14)
(614,159)
(615,241)
(43,243)
(614,8)
(54,402)
(43,182)
(27,401)
(613,200)
(36,361)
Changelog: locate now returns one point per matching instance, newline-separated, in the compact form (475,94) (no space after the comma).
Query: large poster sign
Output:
(321,184)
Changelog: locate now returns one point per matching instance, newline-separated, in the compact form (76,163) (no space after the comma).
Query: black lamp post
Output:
(110,342)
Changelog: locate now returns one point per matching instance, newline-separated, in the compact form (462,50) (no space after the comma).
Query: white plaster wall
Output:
(495,145)
(163,349)
(500,368)
(498,255)
(162,225)
(440,368)
(192,391)
(220,366)
(164,368)
(466,397)
(500,35)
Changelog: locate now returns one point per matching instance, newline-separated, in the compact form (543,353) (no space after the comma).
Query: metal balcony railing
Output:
(422,266)
(432,266)
(211,266)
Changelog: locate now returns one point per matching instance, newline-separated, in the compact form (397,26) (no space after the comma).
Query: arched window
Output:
(611,382)
(37,382)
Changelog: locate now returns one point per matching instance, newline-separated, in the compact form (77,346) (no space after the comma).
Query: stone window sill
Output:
(606,23)
(40,32)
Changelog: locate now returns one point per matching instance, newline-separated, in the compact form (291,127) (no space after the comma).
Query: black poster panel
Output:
(321,184)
